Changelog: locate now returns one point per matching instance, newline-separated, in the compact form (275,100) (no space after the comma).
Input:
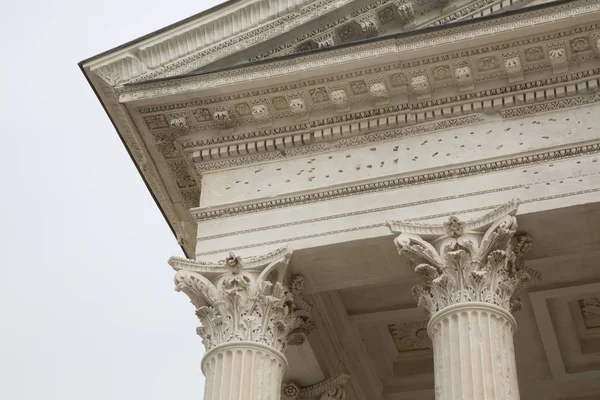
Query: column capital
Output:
(246,299)
(479,260)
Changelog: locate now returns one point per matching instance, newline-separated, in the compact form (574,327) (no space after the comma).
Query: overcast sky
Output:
(87,305)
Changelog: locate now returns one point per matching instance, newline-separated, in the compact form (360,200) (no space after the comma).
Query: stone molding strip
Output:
(384,224)
(208,213)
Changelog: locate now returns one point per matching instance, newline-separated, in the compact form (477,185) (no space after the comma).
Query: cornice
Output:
(180,222)
(423,17)
(208,38)
(374,125)
(387,46)
(230,28)
(405,180)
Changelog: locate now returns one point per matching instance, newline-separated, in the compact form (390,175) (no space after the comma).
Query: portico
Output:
(319,160)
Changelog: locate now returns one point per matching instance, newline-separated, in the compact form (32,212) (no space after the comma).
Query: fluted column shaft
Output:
(473,353)
(243,371)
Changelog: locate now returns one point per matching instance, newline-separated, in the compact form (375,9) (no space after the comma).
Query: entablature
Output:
(516,64)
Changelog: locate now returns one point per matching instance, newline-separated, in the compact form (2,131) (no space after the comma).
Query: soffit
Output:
(557,343)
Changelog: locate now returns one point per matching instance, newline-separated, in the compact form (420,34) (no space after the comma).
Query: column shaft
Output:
(243,371)
(474,353)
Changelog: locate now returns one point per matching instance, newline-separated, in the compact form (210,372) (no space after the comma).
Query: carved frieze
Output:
(590,309)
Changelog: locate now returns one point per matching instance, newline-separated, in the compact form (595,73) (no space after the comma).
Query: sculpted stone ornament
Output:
(558,60)
(224,118)
(244,299)
(513,68)
(471,272)
(406,11)
(297,106)
(370,25)
(261,112)
(178,123)
(464,78)
(248,317)
(329,389)
(339,98)
(379,90)
(466,265)
(412,334)
(420,85)
(590,309)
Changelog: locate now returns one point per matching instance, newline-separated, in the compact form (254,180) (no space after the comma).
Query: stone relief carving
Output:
(297,106)
(590,309)
(379,90)
(224,118)
(412,335)
(466,264)
(339,98)
(245,299)
(534,54)
(464,77)
(513,68)
(261,112)
(406,11)
(580,44)
(329,389)
(420,84)
(441,72)
(558,60)
(488,63)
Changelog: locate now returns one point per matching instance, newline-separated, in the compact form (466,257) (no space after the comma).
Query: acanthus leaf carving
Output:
(245,300)
(466,264)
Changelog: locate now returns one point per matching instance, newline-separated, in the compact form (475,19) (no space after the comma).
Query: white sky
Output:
(87,305)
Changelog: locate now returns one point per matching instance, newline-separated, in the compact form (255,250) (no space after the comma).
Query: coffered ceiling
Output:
(557,343)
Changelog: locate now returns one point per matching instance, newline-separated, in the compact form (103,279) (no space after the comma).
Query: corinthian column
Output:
(470,272)
(248,316)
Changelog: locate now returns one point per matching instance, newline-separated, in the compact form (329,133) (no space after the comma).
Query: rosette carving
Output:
(329,389)
(245,299)
(474,261)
